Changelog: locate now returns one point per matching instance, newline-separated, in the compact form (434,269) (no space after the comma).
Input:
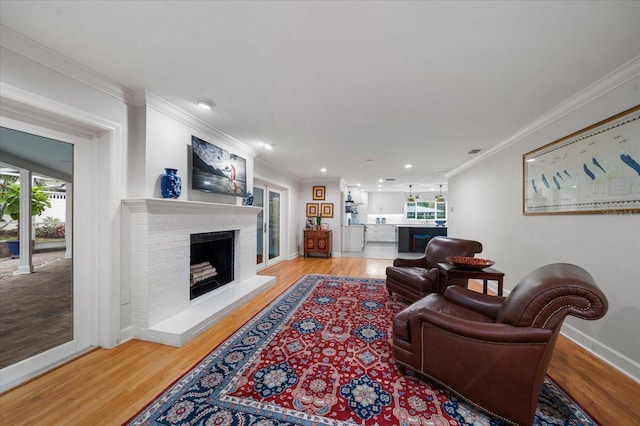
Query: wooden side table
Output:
(317,242)
(452,272)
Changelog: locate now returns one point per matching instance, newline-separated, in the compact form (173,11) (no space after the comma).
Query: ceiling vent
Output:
(390,179)
(474,151)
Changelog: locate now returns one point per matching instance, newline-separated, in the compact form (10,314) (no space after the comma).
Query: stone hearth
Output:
(156,257)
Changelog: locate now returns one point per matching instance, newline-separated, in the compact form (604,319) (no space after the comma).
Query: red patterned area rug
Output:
(321,355)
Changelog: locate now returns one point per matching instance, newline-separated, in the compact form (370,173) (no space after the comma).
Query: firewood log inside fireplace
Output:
(201,271)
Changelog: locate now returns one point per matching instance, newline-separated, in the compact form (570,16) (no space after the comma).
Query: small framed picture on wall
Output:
(326,210)
(312,210)
(318,192)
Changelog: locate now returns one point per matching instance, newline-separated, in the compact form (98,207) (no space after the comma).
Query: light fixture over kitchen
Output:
(440,198)
(410,198)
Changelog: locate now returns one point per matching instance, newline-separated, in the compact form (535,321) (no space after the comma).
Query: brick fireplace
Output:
(156,257)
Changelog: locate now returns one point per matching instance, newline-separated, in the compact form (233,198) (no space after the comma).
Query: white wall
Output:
(485,203)
(168,145)
(332,195)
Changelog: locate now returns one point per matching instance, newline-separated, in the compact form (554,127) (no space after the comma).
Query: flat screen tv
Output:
(215,169)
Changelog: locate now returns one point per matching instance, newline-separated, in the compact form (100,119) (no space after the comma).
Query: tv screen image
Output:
(215,169)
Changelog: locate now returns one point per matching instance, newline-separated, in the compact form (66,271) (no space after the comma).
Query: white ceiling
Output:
(361,88)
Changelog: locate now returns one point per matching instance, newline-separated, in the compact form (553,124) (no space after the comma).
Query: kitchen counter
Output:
(428,225)
(406,233)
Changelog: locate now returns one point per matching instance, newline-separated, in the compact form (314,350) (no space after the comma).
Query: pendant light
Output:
(440,198)
(410,198)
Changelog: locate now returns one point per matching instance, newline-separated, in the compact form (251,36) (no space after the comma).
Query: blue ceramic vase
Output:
(171,184)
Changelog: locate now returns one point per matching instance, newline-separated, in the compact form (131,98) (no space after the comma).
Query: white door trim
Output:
(99,167)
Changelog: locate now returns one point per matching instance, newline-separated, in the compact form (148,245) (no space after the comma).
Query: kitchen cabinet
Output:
(354,238)
(317,242)
(381,233)
(386,202)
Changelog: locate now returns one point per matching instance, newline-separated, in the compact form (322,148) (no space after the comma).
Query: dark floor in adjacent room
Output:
(36,310)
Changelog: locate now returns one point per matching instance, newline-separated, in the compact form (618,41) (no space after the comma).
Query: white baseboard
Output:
(618,361)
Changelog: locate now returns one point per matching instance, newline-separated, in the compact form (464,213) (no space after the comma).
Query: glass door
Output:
(57,289)
(268,225)
(273,220)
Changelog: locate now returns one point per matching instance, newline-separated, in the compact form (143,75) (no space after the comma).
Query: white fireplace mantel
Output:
(156,258)
(168,206)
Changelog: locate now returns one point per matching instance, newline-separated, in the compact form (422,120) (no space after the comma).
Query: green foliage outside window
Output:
(51,227)
(10,200)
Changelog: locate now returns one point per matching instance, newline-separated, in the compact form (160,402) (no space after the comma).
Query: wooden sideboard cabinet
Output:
(317,242)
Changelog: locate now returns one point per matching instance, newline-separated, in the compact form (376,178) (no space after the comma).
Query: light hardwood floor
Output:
(108,386)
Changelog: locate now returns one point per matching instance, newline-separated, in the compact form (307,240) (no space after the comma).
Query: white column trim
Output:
(26,255)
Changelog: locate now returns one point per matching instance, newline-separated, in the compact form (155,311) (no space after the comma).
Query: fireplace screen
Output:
(212,261)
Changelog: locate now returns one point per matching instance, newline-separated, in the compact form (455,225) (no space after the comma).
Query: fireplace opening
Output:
(212,262)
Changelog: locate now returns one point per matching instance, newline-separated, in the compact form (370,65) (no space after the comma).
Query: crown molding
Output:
(621,75)
(151,100)
(28,48)
(268,166)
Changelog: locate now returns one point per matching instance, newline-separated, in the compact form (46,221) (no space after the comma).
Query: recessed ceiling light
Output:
(380,180)
(205,103)
(323,170)
(267,146)
(407,166)
(530,160)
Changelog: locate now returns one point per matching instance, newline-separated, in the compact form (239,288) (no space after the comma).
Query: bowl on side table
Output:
(470,263)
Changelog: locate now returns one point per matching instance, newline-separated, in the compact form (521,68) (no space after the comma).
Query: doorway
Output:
(53,320)
(36,282)
(269,225)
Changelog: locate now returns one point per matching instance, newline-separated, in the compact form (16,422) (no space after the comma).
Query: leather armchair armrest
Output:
(483,303)
(401,326)
(446,266)
(401,321)
(420,262)
(478,331)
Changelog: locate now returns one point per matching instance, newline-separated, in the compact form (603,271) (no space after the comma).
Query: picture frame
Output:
(319,192)
(595,170)
(310,223)
(326,210)
(313,210)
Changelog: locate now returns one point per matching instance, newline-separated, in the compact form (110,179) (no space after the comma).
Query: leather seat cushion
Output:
(414,278)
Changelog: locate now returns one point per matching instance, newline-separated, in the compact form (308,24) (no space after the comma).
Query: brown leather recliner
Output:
(494,351)
(415,278)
